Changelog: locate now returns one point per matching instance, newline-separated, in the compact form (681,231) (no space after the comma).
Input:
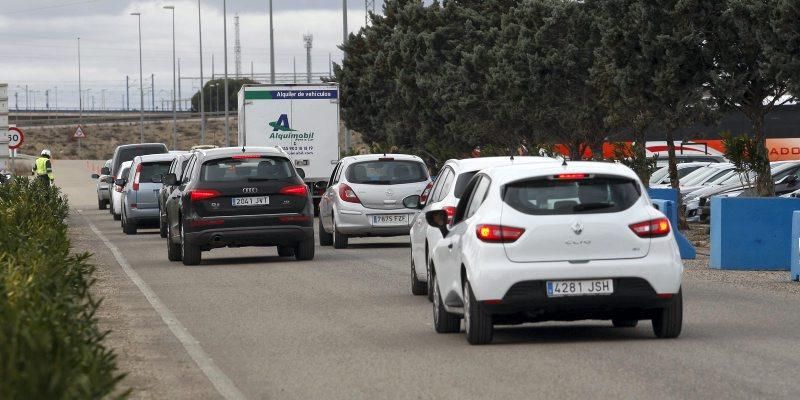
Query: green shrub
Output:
(50,344)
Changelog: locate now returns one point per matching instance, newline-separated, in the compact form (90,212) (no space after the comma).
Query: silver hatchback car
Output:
(365,197)
(140,194)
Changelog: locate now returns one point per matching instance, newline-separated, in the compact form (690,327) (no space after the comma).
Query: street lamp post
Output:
(202,97)
(174,84)
(141,82)
(80,96)
(225,40)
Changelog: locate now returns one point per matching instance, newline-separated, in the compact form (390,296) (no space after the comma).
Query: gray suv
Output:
(140,193)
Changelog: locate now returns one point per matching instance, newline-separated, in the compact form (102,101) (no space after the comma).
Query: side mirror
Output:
(105,171)
(301,172)
(412,202)
(95,176)
(437,219)
(169,180)
(157,178)
(120,182)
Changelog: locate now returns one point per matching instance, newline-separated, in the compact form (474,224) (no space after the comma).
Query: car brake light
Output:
(295,190)
(245,156)
(386,159)
(653,228)
(203,194)
(498,233)
(451,212)
(423,198)
(136,177)
(294,218)
(346,193)
(571,177)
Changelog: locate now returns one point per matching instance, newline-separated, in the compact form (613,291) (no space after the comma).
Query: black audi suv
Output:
(234,197)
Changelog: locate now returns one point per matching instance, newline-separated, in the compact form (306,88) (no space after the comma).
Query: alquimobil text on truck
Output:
(302,119)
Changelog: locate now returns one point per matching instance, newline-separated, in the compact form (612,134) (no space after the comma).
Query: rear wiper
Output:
(591,206)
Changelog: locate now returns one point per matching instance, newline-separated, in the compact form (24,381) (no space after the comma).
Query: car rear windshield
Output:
(128,153)
(263,168)
(386,172)
(584,196)
(153,170)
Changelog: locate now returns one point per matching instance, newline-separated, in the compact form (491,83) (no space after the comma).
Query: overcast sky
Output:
(38,44)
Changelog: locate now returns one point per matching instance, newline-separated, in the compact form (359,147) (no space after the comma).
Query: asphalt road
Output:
(345,326)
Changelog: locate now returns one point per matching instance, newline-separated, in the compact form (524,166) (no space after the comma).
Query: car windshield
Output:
(697,176)
(583,196)
(659,175)
(386,172)
(128,153)
(153,170)
(250,168)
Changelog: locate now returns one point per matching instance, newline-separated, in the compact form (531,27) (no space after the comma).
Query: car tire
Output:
(668,321)
(477,322)
(173,249)
(418,288)
(325,238)
(101,204)
(117,217)
(285,251)
(430,278)
(624,323)
(110,207)
(128,226)
(339,240)
(162,228)
(443,321)
(190,254)
(304,250)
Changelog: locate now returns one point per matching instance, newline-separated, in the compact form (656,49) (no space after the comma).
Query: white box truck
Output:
(303,119)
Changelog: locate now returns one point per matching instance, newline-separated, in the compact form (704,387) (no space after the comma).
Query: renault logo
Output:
(577,227)
(249,190)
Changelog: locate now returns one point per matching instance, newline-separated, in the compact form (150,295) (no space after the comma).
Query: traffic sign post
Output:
(15,139)
(4,150)
(79,134)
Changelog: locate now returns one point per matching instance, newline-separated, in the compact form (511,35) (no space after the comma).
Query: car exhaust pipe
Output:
(217,238)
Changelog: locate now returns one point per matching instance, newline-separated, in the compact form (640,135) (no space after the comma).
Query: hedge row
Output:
(50,343)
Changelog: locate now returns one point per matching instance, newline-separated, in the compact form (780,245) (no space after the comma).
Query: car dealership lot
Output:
(345,326)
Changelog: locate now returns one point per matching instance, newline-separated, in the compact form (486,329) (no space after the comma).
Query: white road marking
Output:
(221,382)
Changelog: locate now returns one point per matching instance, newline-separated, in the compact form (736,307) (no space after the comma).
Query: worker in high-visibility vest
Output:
(43,169)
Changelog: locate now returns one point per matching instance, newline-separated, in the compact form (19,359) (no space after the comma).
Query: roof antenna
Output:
(564,162)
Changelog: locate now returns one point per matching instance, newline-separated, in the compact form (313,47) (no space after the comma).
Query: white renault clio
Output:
(444,195)
(558,242)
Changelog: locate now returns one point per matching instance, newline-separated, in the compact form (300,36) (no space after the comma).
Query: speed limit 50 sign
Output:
(15,138)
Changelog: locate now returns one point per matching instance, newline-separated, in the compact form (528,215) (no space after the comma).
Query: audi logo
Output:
(249,190)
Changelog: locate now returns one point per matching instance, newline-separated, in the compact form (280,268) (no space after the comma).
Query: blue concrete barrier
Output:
(795,269)
(668,208)
(665,200)
(752,233)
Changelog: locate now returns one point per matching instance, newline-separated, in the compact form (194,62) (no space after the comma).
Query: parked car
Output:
(686,158)
(177,167)
(785,176)
(116,189)
(661,176)
(228,197)
(444,195)
(102,187)
(564,243)
(125,153)
(365,197)
(140,194)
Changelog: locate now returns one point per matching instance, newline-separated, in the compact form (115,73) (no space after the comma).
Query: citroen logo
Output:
(577,227)
(389,193)
(249,190)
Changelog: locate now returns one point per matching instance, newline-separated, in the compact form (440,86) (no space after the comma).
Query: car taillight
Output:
(423,198)
(203,194)
(136,177)
(294,218)
(498,233)
(347,194)
(451,212)
(653,228)
(295,190)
